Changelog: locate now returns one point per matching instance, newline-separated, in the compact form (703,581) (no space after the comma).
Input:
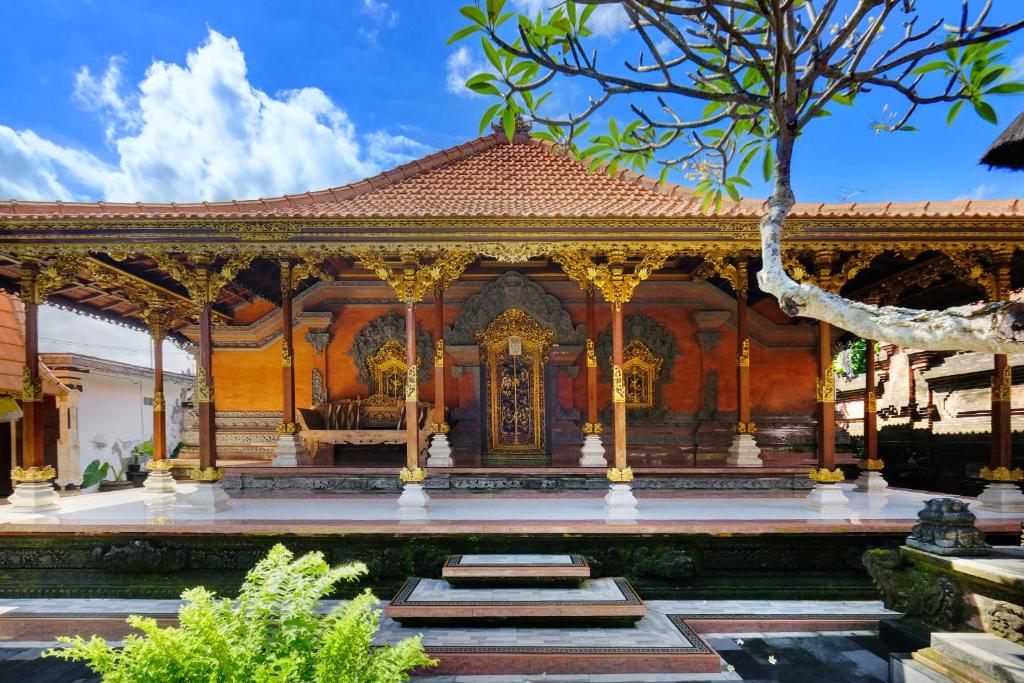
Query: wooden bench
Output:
(377,420)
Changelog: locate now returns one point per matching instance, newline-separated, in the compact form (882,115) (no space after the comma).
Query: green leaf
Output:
(462,33)
(489,115)
(986,111)
(492,54)
(1006,89)
(473,13)
(929,67)
(953,111)
(508,122)
(767,162)
(483,87)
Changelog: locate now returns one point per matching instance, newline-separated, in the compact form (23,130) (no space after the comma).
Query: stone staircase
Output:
(536,614)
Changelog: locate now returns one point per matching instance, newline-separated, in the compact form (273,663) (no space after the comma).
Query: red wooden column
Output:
(288,425)
(825,395)
(32,446)
(204,393)
(156,331)
(870,402)
(744,424)
(592,426)
(412,449)
(440,425)
(618,389)
(1001,383)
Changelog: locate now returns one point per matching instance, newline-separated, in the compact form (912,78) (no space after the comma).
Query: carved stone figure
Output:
(934,599)
(319,387)
(513,290)
(947,528)
(1006,620)
(390,326)
(141,557)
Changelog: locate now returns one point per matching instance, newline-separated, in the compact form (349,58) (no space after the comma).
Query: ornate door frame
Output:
(494,343)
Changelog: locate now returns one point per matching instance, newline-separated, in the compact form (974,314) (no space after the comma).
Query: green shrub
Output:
(271,633)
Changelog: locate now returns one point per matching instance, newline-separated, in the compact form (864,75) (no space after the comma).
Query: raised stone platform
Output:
(609,601)
(515,570)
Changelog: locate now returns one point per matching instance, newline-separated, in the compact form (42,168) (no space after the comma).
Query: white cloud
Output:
(983,191)
(460,66)
(199,132)
(1017,65)
(607,20)
(381,12)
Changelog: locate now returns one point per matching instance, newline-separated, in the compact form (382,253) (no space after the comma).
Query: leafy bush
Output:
(95,472)
(272,633)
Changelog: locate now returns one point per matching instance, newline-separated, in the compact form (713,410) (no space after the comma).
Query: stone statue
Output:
(946,527)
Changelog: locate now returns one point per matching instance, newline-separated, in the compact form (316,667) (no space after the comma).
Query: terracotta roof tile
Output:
(490,178)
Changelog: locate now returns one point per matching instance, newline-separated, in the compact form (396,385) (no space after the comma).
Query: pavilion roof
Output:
(1008,149)
(488,178)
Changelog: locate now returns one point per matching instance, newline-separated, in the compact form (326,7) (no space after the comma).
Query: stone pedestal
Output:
(1001,497)
(592,453)
(744,452)
(871,481)
(160,481)
(208,496)
(620,503)
(414,502)
(440,452)
(33,496)
(827,499)
(289,452)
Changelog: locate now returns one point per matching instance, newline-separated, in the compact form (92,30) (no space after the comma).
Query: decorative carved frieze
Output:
(319,388)
(319,339)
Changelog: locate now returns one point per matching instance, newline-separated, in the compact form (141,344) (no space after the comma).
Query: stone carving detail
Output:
(319,387)
(934,599)
(709,395)
(513,290)
(947,528)
(141,557)
(1006,620)
(661,343)
(708,340)
(318,339)
(380,330)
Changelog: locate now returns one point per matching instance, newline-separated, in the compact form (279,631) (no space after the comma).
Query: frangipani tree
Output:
(760,72)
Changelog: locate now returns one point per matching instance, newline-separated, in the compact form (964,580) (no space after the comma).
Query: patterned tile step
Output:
(433,602)
(517,570)
(658,643)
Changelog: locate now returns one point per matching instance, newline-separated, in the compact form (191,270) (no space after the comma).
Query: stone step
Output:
(515,570)
(970,656)
(433,602)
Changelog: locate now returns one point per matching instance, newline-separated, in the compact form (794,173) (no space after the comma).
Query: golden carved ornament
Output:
(389,369)
(620,476)
(31,392)
(871,464)
(720,262)
(743,359)
(159,404)
(439,353)
(413,476)
(825,389)
(439,428)
(33,474)
(591,354)
(592,428)
(1002,387)
(618,385)
(518,323)
(260,232)
(1002,474)
(310,265)
(204,388)
(824,476)
(209,475)
(161,307)
(287,359)
(870,403)
(640,370)
(210,273)
(411,388)
(411,277)
(746,428)
(287,428)
(612,278)
(159,465)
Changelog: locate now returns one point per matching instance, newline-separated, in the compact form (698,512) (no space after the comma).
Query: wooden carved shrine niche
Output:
(388,370)
(514,349)
(640,370)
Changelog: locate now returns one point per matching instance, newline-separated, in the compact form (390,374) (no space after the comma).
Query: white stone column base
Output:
(414,502)
(1001,497)
(827,498)
(870,481)
(620,503)
(744,452)
(592,452)
(440,453)
(32,496)
(208,496)
(160,481)
(290,451)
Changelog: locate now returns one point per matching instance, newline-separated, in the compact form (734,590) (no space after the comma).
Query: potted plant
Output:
(136,459)
(95,472)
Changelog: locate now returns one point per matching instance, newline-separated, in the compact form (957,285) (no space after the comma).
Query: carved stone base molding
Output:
(744,452)
(440,452)
(592,452)
(414,502)
(620,503)
(871,481)
(160,481)
(1001,497)
(210,497)
(32,496)
(828,499)
(289,452)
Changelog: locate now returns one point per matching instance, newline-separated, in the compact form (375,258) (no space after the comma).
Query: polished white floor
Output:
(138,506)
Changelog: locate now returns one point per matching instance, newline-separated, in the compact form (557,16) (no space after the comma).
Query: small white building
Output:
(109,410)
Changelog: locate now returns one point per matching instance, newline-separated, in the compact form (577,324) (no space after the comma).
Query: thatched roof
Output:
(1008,149)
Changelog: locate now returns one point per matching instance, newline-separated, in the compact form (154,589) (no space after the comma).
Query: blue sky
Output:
(132,100)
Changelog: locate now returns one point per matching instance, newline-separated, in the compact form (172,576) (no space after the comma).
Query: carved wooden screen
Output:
(515,381)
(640,370)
